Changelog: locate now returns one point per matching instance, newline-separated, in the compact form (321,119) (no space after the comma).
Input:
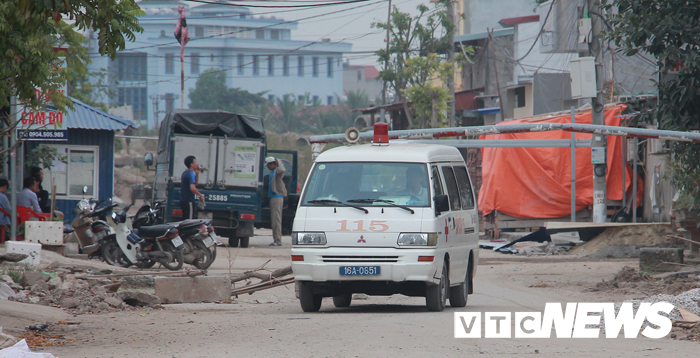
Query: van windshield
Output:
(399,183)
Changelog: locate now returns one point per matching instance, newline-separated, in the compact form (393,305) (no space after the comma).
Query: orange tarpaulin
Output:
(536,182)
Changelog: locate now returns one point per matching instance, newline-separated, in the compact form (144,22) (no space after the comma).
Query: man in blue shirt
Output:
(188,189)
(27,197)
(4,203)
(276,192)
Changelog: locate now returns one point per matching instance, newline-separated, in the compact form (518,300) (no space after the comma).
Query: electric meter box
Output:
(583,80)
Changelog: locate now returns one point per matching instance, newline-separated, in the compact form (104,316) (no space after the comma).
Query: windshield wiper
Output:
(390,202)
(330,201)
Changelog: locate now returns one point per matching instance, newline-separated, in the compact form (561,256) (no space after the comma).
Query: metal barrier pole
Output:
(573,167)
(634,181)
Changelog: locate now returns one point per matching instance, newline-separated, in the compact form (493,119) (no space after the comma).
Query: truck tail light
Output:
(247,216)
(177,212)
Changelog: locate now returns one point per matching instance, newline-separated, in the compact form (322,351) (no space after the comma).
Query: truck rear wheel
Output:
(460,294)
(244,241)
(342,300)
(233,241)
(309,301)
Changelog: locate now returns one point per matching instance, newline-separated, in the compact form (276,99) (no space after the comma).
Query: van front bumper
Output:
(397,265)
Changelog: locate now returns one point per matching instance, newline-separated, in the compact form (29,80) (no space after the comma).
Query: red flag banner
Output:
(182,34)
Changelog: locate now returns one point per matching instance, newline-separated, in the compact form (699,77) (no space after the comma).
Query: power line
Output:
(279,6)
(262,27)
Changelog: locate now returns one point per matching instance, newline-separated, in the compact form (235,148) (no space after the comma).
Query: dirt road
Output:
(271,323)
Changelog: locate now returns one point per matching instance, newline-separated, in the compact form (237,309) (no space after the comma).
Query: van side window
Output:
(437,183)
(452,191)
(465,188)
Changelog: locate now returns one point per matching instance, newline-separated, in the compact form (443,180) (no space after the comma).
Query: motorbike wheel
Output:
(114,256)
(146,264)
(178,257)
(206,260)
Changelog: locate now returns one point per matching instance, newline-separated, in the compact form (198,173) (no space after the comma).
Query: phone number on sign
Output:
(42,134)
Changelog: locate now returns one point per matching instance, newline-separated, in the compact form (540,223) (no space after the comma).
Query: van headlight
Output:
(418,239)
(308,238)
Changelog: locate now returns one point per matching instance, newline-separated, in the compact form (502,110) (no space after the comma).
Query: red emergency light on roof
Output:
(381,133)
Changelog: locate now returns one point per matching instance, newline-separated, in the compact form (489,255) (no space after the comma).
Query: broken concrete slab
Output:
(113,301)
(31,278)
(6,291)
(139,299)
(193,289)
(656,259)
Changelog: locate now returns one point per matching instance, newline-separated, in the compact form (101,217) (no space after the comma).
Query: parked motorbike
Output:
(143,247)
(198,235)
(90,227)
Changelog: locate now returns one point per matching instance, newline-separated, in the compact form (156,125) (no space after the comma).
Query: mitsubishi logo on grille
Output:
(362,239)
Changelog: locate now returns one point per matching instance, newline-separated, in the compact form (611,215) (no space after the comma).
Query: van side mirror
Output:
(442,204)
(148,159)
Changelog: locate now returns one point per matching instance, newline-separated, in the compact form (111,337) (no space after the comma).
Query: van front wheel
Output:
(459,294)
(436,295)
(310,302)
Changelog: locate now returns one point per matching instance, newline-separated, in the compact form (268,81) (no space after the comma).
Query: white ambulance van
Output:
(383,219)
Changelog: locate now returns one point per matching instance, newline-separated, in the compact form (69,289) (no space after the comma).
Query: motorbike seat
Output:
(192,223)
(154,231)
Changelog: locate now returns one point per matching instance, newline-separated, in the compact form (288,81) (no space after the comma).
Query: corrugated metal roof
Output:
(84,116)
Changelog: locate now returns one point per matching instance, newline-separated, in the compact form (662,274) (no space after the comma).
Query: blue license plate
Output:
(359,270)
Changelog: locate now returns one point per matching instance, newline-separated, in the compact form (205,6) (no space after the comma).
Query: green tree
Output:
(429,97)
(31,31)
(409,37)
(670,31)
(211,92)
(89,91)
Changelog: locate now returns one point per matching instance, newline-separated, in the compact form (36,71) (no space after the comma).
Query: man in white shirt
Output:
(27,197)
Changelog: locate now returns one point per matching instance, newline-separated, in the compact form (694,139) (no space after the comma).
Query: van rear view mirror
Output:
(442,204)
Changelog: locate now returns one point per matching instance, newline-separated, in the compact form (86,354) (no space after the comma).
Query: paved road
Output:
(271,324)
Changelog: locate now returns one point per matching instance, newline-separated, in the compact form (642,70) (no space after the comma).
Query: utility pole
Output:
(386,64)
(599,141)
(451,61)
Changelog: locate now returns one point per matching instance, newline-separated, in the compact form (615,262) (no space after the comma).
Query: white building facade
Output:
(256,53)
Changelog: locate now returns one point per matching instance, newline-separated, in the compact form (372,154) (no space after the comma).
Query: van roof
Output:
(394,152)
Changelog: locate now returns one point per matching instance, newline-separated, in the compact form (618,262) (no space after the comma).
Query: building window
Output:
(330,67)
(275,34)
(259,33)
(271,97)
(80,170)
(198,31)
(256,65)
(194,63)
(241,64)
(314,66)
(329,100)
(300,66)
(519,97)
(317,101)
(211,57)
(135,96)
(270,65)
(359,76)
(169,102)
(300,99)
(169,63)
(162,33)
(285,65)
(132,67)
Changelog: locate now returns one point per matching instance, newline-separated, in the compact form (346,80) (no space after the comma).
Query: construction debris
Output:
(266,280)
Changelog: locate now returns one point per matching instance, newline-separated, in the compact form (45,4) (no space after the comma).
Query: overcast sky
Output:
(353,25)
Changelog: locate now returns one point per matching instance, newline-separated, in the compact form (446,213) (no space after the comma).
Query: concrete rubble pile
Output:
(72,290)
